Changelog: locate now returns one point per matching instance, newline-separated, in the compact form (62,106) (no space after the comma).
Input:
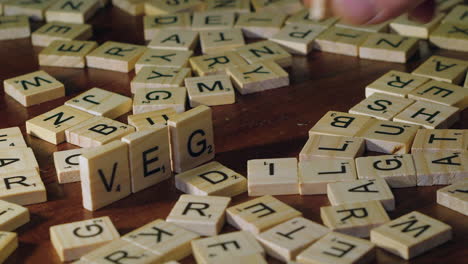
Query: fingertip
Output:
(355,11)
(423,13)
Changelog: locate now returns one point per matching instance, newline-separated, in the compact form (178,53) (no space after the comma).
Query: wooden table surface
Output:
(270,124)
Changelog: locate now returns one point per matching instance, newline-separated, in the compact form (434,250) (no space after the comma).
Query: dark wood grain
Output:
(263,125)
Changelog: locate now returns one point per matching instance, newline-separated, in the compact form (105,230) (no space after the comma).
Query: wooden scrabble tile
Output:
(398,170)
(97,131)
(440,168)
(33,9)
(153,24)
(153,99)
(429,115)
(132,7)
(192,140)
(339,124)
(340,40)
(302,17)
(445,5)
(150,160)
(388,137)
(212,20)
(297,38)
(258,77)
(163,58)
(324,146)
(405,26)
(100,102)
(265,51)
(451,37)
(361,191)
(435,140)
(204,215)
(22,187)
(458,15)
(160,7)
(223,40)
(441,93)
(354,219)
(73,240)
(339,249)
(455,197)
(382,106)
(315,174)
(285,241)
(115,56)
(210,90)
(164,239)
(411,235)
(260,214)
(211,179)
(158,77)
(11,137)
(388,47)
(72,11)
(443,69)
(175,40)
(12,216)
(216,249)
(377,28)
(281,6)
(395,83)
(15,159)
(260,25)
(67,165)
(60,31)
(51,125)
(272,176)
(216,63)
(8,244)
(34,88)
(120,250)
(149,119)
(14,27)
(105,175)
(236,6)
(63,53)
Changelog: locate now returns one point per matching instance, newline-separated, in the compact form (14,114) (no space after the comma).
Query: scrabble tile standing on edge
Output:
(258,77)
(361,191)
(172,242)
(335,147)
(12,216)
(354,219)
(51,125)
(14,27)
(192,139)
(285,241)
(11,137)
(73,240)
(34,88)
(210,90)
(260,25)
(60,31)
(216,249)
(339,124)
(429,115)
(265,51)
(8,244)
(204,215)
(159,77)
(115,56)
(163,58)
(105,175)
(149,119)
(455,197)
(388,47)
(297,39)
(33,9)
(440,168)
(405,26)
(15,159)
(22,187)
(150,160)
(215,41)
(451,37)
(154,99)
(132,7)
(338,248)
(443,69)
(211,179)
(63,53)
(67,165)
(175,40)
(436,140)
(395,83)
(260,214)
(72,11)
(411,235)
(340,41)
(100,102)
(381,106)
(272,176)
(216,63)
(119,250)
(153,24)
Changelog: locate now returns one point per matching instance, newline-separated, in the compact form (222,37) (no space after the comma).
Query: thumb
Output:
(372,11)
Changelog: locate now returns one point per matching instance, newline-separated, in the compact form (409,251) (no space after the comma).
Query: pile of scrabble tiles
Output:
(402,113)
